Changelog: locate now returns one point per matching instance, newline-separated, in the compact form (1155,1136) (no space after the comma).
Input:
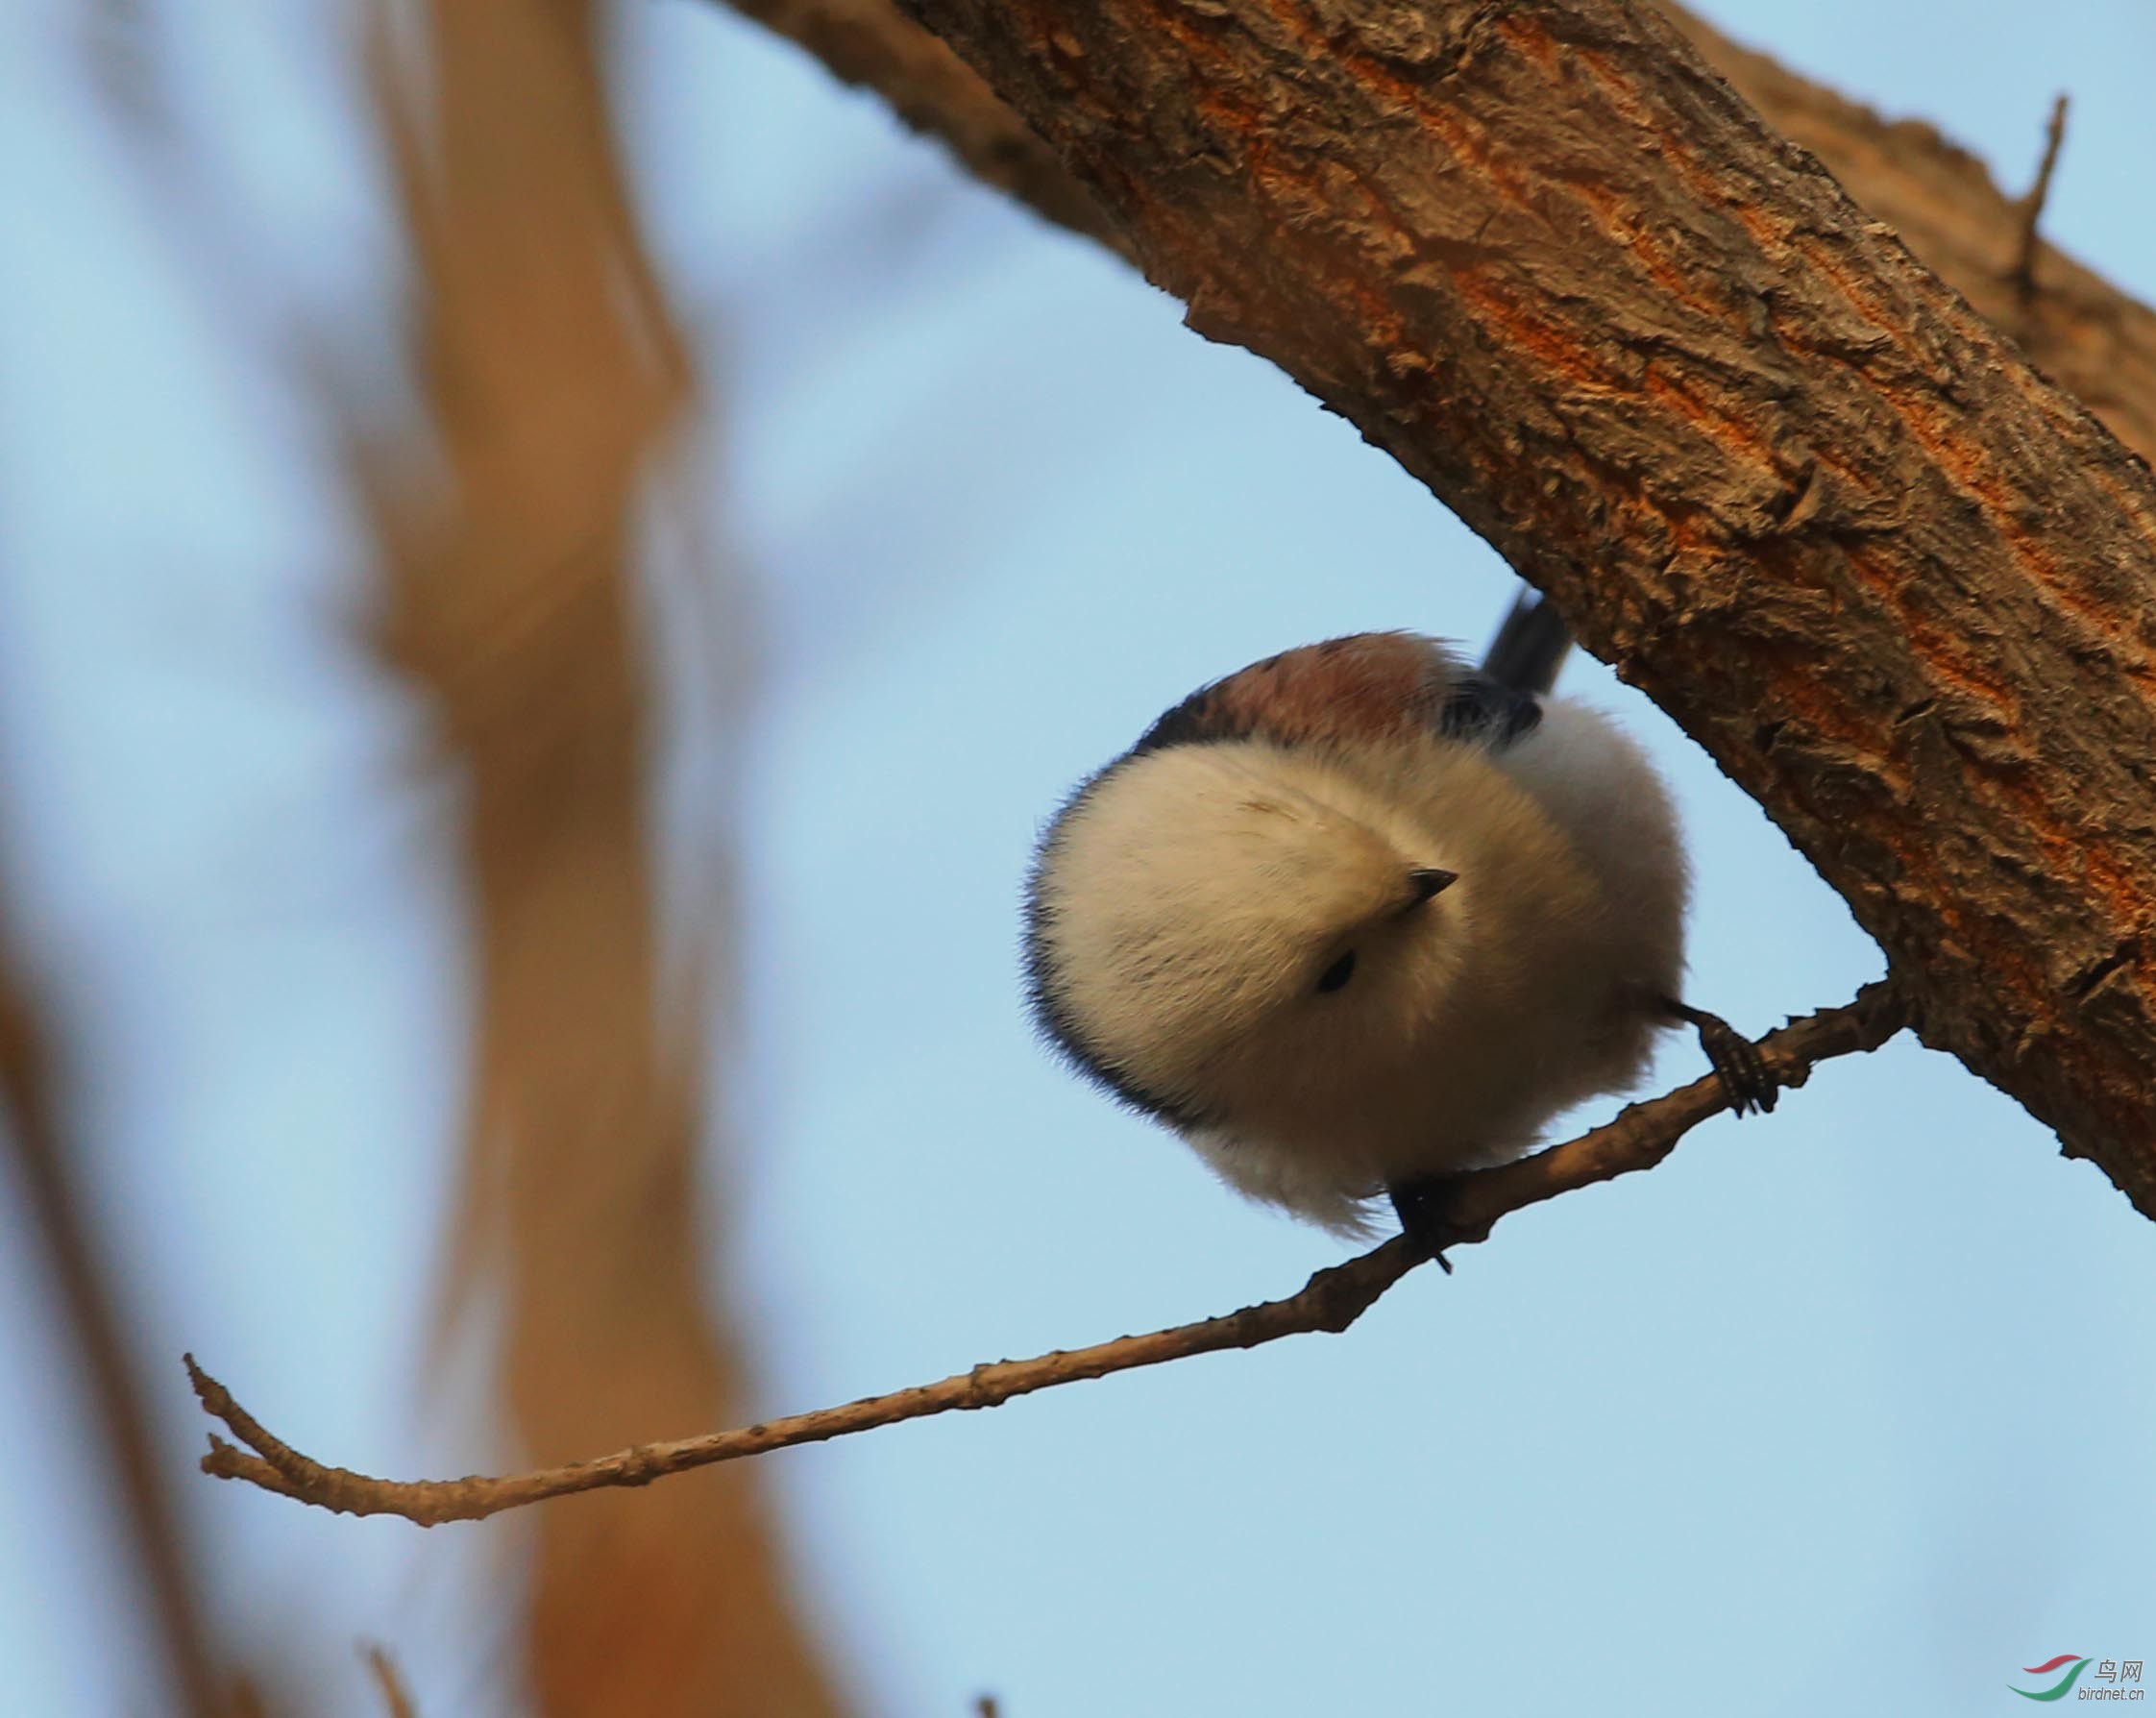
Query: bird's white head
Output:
(1215,926)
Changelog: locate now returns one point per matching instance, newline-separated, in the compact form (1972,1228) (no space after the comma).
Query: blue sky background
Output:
(1846,1408)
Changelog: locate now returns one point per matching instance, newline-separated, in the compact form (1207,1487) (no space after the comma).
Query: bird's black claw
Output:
(1735,1059)
(1423,1206)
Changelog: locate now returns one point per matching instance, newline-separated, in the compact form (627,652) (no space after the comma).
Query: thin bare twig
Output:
(2030,208)
(1639,1138)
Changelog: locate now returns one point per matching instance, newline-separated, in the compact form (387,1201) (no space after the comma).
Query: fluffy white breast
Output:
(1191,891)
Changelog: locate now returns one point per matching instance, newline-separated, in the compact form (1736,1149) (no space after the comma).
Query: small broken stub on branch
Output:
(2023,274)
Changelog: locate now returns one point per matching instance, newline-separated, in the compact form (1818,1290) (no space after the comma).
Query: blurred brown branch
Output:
(1639,1138)
(554,378)
(92,1331)
(396,1698)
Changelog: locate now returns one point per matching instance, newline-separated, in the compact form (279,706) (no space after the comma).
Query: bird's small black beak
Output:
(1424,881)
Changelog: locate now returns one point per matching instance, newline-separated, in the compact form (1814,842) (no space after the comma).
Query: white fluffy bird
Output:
(1359,917)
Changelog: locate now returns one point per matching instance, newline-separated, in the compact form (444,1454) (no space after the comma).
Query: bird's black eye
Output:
(1337,974)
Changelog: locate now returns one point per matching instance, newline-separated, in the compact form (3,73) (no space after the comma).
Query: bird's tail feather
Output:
(1530,646)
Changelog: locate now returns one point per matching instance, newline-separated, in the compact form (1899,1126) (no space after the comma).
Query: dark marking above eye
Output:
(1336,976)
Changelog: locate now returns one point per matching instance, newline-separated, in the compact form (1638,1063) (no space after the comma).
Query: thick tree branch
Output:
(2076,942)
(2097,342)
(1639,1138)
(1782,478)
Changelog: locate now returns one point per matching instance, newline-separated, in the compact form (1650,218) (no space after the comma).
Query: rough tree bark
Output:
(2094,340)
(1774,471)
(2097,342)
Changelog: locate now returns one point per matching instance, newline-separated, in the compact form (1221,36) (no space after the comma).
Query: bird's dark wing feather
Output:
(1480,708)
(1501,700)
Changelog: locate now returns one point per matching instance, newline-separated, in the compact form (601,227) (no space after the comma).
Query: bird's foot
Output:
(1424,1207)
(1736,1060)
